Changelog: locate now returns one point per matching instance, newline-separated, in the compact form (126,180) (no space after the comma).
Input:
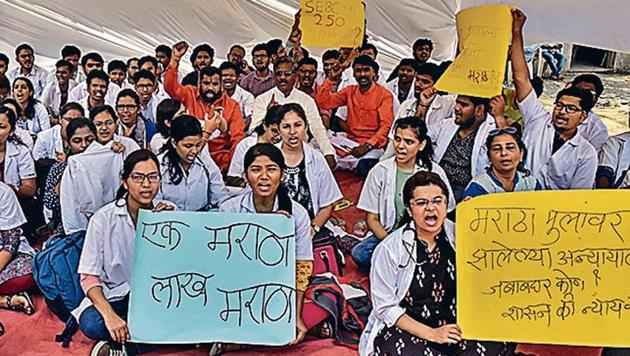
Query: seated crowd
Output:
(84,147)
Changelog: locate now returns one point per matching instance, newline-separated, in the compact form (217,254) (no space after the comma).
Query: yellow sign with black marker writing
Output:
(484,36)
(549,267)
(332,23)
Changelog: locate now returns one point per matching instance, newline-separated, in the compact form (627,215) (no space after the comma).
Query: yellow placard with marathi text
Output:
(484,36)
(549,267)
(332,23)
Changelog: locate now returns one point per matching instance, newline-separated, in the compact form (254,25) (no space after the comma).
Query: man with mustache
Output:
(223,123)
(307,74)
(25,56)
(55,94)
(370,111)
(229,74)
(201,57)
(90,62)
(260,80)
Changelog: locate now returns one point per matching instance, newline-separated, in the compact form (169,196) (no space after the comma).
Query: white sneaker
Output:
(106,348)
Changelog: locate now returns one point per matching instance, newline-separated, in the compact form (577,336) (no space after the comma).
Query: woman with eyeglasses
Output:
(34,116)
(413,284)
(506,152)
(80,133)
(191,179)
(264,168)
(106,259)
(167,110)
(382,193)
(105,120)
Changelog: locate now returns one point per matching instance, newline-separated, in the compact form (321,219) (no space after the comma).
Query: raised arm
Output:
(171,76)
(520,72)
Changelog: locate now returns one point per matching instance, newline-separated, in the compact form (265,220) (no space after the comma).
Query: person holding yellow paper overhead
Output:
(558,156)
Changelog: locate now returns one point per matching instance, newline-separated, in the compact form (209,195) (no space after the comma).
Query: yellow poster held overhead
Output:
(332,23)
(549,267)
(484,36)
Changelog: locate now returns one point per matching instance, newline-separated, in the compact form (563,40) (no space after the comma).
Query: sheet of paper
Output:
(332,23)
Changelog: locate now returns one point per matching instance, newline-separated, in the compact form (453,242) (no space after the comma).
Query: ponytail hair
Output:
(183,127)
(166,111)
(420,179)
(271,118)
(275,155)
(134,158)
(419,127)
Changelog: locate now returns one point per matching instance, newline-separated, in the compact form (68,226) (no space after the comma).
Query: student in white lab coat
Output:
(614,161)
(106,259)
(593,128)
(17,168)
(408,316)
(34,115)
(52,143)
(22,134)
(381,197)
(190,179)
(307,176)
(106,121)
(558,155)
(167,110)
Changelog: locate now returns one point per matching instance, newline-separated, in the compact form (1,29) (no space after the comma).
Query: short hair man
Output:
(236,55)
(422,49)
(260,80)
(221,115)
(163,53)
(56,93)
(593,128)
(97,84)
(145,86)
(117,71)
(402,86)
(25,57)
(307,74)
(229,75)
(276,49)
(152,65)
(202,56)
(132,68)
(90,62)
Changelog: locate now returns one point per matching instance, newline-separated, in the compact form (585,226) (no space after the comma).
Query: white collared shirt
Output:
(615,157)
(393,266)
(51,96)
(38,76)
(572,166)
(80,92)
(39,122)
(48,144)
(236,164)
(392,86)
(18,164)
(245,99)
(594,130)
(310,108)
(245,204)
(201,188)
(378,193)
(157,141)
(25,136)
(11,216)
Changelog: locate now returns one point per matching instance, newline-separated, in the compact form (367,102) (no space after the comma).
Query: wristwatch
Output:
(368,146)
(315,228)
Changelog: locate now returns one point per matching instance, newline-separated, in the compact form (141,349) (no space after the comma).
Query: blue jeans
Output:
(555,60)
(93,326)
(363,251)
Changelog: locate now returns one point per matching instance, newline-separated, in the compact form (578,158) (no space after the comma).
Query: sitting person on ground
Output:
(266,132)
(285,92)
(202,56)
(81,132)
(34,116)
(53,143)
(307,177)
(593,128)
(229,75)
(370,111)
(106,121)
(132,123)
(17,168)
(190,179)
(402,87)
(55,95)
(90,62)
(264,169)
(507,154)
(559,157)
(102,314)
(614,161)
(552,54)
(25,56)
(381,196)
(16,255)
(226,127)
(167,110)
(24,135)
(261,79)
(409,317)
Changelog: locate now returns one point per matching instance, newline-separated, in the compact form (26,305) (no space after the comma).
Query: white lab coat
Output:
(594,130)
(201,188)
(443,133)
(392,86)
(245,100)
(157,141)
(378,194)
(38,77)
(393,265)
(25,136)
(51,96)
(48,143)
(573,166)
(245,204)
(11,216)
(80,91)
(39,122)
(615,156)
(237,168)
(440,109)
(18,164)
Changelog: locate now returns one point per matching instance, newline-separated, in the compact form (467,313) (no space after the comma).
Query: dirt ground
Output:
(613,105)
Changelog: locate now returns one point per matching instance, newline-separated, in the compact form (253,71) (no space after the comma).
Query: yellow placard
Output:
(550,267)
(332,23)
(484,36)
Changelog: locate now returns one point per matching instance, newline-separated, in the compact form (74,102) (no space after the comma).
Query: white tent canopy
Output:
(121,29)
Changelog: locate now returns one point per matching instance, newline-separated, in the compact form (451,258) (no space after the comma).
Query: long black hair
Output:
(181,128)
(419,128)
(275,155)
(78,123)
(271,118)
(12,123)
(134,158)
(166,111)
(29,110)
(420,179)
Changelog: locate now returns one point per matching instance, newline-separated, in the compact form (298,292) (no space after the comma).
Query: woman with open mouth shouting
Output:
(413,284)
(34,114)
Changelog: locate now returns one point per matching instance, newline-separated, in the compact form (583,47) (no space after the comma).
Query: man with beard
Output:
(55,94)
(97,84)
(370,112)
(90,62)
(557,155)
(71,54)
(24,55)
(460,147)
(260,80)
(132,68)
(402,86)
(201,57)
(236,55)
(223,123)
(145,87)
(229,74)
(422,49)
(306,73)
(284,93)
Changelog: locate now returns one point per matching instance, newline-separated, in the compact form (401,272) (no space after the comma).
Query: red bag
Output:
(327,257)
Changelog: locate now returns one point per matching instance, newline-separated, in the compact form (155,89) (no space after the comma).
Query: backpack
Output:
(55,272)
(327,258)
(347,304)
